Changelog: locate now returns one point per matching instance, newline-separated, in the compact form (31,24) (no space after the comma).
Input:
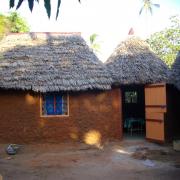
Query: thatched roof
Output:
(175,72)
(47,62)
(133,62)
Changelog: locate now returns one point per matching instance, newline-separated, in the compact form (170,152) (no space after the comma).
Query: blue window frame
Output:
(54,104)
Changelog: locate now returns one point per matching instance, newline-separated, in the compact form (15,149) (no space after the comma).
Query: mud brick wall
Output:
(93,116)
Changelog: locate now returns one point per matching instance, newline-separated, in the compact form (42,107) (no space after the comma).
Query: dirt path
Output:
(117,160)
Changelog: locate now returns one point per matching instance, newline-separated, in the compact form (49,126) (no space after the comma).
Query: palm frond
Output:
(150,10)
(156,5)
(47,5)
(31,4)
(19,4)
(93,38)
(140,12)
(58,5)
(11,3)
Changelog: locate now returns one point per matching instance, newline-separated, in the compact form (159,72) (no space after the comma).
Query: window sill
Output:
(53,116)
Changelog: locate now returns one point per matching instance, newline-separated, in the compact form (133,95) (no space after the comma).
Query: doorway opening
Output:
(133,110)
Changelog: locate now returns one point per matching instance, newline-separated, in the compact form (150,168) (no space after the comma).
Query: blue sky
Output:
(111,20)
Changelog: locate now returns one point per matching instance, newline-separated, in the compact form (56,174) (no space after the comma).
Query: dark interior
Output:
(133,108)
(172,118)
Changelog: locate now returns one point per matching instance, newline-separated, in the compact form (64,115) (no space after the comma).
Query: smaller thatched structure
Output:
(133,62)
(175,72)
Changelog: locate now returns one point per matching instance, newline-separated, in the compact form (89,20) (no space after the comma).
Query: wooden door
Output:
(155,109)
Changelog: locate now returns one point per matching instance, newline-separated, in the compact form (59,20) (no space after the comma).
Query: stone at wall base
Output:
(176,145)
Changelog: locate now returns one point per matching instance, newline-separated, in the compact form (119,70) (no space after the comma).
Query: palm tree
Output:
(148,7)
(93,42)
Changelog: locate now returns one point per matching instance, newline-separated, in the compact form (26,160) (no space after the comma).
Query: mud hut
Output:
(54,88)
(142,79)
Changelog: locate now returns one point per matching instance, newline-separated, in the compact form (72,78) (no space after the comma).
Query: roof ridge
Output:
(56,33)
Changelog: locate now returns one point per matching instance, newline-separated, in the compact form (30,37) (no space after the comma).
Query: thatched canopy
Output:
(47,62)
(175,72)
(133,62)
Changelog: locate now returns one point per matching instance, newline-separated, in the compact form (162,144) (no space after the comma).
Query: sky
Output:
(111,20)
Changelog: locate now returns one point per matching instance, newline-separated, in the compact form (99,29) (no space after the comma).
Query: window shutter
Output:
(58,109)
(49,104)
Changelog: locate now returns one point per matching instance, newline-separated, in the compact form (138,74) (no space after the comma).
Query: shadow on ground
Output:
(115,160)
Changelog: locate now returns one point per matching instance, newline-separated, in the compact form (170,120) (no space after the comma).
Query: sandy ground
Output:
(113,161)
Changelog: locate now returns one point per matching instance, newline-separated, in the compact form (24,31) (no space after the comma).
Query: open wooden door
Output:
(155,109)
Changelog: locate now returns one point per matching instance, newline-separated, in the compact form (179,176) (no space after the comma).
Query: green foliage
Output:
(166,43)
(93,43)
(12,23)
(17,23)
(4,25)
(47,5)
(93,38)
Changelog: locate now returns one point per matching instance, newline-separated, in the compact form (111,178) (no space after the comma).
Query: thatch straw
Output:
(47,62)
(175,72)
(133,62)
